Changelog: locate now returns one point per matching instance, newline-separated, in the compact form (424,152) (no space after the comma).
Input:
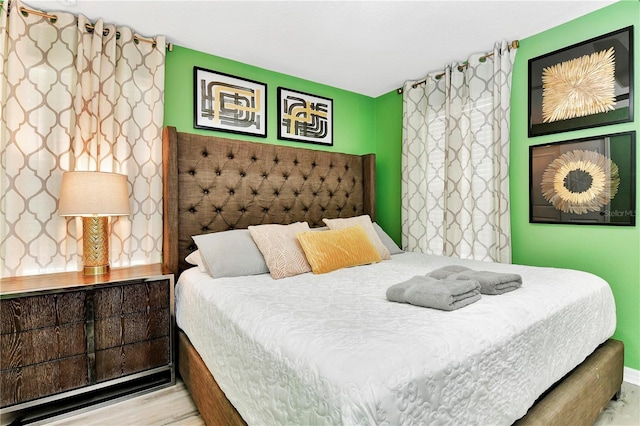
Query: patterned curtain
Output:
(76,95)
(455,160)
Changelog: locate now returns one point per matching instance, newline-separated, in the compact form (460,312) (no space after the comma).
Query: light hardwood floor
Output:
(168,406)
(173,406)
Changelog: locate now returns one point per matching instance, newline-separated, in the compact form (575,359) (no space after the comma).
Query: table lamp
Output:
(94,196)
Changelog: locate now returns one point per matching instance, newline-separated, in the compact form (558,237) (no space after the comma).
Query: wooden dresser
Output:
(70,341)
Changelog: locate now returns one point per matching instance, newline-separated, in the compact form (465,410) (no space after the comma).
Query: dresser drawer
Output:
(128,359)
(130,298)
(49,310)
(131,328)
(41,345)
(30,382)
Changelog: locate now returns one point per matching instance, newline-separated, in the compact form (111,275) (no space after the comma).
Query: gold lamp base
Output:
(96,270)
(95,242)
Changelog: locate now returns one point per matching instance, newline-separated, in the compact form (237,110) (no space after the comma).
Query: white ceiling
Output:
(367,47)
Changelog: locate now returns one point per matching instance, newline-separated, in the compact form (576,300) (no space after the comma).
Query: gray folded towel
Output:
(396,293)
(432,293)
(492,283)
(446,271)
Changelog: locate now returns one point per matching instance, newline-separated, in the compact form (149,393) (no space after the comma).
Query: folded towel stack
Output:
(446,295)
(490,282)
(446,271)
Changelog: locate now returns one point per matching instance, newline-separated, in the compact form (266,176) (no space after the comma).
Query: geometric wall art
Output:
(303,117)
(228,103)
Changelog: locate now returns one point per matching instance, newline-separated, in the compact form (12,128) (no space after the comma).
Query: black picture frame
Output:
(228,103)
(622,43)
(303,117)
(573,181)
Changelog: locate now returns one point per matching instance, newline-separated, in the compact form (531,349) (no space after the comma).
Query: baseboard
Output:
(631,376)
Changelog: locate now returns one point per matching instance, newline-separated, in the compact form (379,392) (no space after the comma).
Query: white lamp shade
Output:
(94,194)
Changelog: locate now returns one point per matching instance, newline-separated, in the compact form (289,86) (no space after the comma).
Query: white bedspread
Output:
(330,349)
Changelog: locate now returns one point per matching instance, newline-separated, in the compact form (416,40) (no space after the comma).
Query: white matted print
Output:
(229,104)
(303,117)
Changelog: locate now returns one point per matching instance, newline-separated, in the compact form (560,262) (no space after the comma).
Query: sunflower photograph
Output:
(584,181)
(580,182)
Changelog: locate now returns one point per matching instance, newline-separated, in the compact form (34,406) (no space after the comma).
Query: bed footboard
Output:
(580,397)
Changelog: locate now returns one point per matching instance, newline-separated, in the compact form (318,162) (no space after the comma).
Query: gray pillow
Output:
(230,254)
(387,240)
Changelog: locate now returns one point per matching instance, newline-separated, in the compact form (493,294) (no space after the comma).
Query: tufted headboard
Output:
(214,184)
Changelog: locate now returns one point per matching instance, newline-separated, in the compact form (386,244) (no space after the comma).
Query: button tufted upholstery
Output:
(221,184)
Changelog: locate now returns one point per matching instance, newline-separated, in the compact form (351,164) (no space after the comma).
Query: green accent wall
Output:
(610,252)
(388,136)
(353,113)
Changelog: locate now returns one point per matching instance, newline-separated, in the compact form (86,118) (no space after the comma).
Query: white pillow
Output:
(195,259)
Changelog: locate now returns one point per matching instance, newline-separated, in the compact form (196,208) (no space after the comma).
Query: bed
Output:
(340,365)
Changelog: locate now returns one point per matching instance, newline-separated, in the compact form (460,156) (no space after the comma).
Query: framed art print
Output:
(229,104)
(303,117)
(589,181)
(588,84)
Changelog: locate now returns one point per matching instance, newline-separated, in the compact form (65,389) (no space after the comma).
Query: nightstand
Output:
(70,341)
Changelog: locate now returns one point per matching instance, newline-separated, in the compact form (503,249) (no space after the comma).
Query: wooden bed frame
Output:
(213,184)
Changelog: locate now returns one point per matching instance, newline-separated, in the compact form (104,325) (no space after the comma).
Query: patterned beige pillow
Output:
(366,223)
(281,249)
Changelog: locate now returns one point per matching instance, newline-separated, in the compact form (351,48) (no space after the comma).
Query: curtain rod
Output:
(89,27)
(513,45)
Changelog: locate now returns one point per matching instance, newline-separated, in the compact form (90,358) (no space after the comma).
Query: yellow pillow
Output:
(365,221)
(328,251)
